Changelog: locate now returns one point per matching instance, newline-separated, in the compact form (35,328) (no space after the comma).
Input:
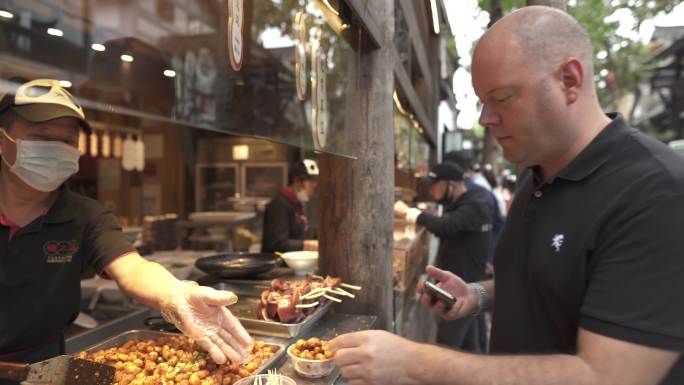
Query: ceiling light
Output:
(55,32)
(169,73)
(97,47)
(127,58)
(6,14)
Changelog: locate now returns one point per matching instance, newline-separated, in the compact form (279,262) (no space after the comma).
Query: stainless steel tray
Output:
(245,311)
(118,340)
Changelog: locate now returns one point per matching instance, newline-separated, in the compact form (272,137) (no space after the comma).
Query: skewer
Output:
(332,298)
(343,292)
(312,293)
(348,286)
(306,305)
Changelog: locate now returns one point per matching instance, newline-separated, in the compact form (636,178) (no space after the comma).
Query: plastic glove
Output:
(200,313)
(400,209)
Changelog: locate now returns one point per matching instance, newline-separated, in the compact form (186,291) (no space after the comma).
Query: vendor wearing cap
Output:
(49,235)
(285,224)
(464,232)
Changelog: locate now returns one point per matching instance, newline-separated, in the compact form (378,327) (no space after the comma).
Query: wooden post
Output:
(356,216)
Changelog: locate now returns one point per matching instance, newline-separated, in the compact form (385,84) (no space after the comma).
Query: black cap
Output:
(303,169)
(446,171)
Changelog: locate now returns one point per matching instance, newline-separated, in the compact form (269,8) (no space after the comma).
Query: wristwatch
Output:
(481,297)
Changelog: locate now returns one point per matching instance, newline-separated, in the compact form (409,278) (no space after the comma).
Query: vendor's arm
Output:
(378,357)
(198,311)
(145,281)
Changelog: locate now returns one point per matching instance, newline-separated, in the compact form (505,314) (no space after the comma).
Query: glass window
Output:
(169,61)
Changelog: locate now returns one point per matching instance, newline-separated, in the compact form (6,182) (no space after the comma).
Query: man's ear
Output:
(572,76)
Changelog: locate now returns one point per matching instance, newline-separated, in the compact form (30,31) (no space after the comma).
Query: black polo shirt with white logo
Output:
(40,268)
(599,246)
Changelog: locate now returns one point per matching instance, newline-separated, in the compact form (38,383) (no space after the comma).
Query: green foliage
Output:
(626,60)
(452,52)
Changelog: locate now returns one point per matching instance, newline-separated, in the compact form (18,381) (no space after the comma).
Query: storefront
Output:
(200,106)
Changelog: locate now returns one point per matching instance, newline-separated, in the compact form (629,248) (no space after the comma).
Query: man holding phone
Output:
(589,265)
(464,231)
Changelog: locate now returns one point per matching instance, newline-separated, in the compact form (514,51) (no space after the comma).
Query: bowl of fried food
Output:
(311,358)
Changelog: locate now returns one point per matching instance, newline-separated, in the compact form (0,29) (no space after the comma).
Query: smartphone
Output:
(440,294)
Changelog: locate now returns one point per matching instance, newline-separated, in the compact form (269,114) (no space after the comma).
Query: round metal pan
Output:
(238,265)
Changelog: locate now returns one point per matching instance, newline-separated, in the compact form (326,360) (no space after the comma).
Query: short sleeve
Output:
(104,241)
(470,217)
(636,286)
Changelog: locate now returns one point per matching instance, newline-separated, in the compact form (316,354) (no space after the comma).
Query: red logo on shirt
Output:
(60,251)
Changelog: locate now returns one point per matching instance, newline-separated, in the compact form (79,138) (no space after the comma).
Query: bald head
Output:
(545,36)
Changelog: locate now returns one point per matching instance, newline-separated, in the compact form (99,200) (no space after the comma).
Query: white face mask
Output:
(43,165)
(302,196)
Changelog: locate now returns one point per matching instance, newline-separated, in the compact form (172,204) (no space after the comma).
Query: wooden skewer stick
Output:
(348,286)
(343,292)
(332,298)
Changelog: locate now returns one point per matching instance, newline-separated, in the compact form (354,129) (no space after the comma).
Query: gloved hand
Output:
(200,313)
(400,209)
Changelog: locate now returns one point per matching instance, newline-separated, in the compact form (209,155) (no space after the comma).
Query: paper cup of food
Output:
(311,358)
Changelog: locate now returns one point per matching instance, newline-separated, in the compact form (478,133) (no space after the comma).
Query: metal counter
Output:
(329,326)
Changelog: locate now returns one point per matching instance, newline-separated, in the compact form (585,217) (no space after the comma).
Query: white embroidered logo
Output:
(557,241)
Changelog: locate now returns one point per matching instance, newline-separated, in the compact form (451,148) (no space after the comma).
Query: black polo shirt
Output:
(40,268)
(598,246)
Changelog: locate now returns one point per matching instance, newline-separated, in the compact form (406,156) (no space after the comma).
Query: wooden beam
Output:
(417,41)
(414,103)
(356,220)
(360,8)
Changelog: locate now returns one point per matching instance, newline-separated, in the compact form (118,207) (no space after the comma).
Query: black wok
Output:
(238,265)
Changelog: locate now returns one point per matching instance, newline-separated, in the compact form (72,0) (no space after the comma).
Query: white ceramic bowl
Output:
(311,368)
(301,262)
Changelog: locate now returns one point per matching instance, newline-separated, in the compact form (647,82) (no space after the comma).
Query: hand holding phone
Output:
(439,294)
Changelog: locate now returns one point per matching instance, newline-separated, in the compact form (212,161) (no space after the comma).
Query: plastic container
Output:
(284,380)
(311,368)
(301,262)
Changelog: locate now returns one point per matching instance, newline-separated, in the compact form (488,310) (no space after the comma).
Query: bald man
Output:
(589,268)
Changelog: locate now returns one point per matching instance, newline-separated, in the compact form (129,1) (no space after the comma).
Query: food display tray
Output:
(245,311)
(118,340)
(249,295)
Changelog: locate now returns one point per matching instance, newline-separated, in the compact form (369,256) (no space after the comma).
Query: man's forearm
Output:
(147,282)
(439,366)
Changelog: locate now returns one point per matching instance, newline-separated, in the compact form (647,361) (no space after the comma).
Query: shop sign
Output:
(319,96)
(300,54)
(235,27)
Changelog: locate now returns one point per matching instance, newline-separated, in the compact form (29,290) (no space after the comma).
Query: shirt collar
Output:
(64,209)
(599,150)
(290,196)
